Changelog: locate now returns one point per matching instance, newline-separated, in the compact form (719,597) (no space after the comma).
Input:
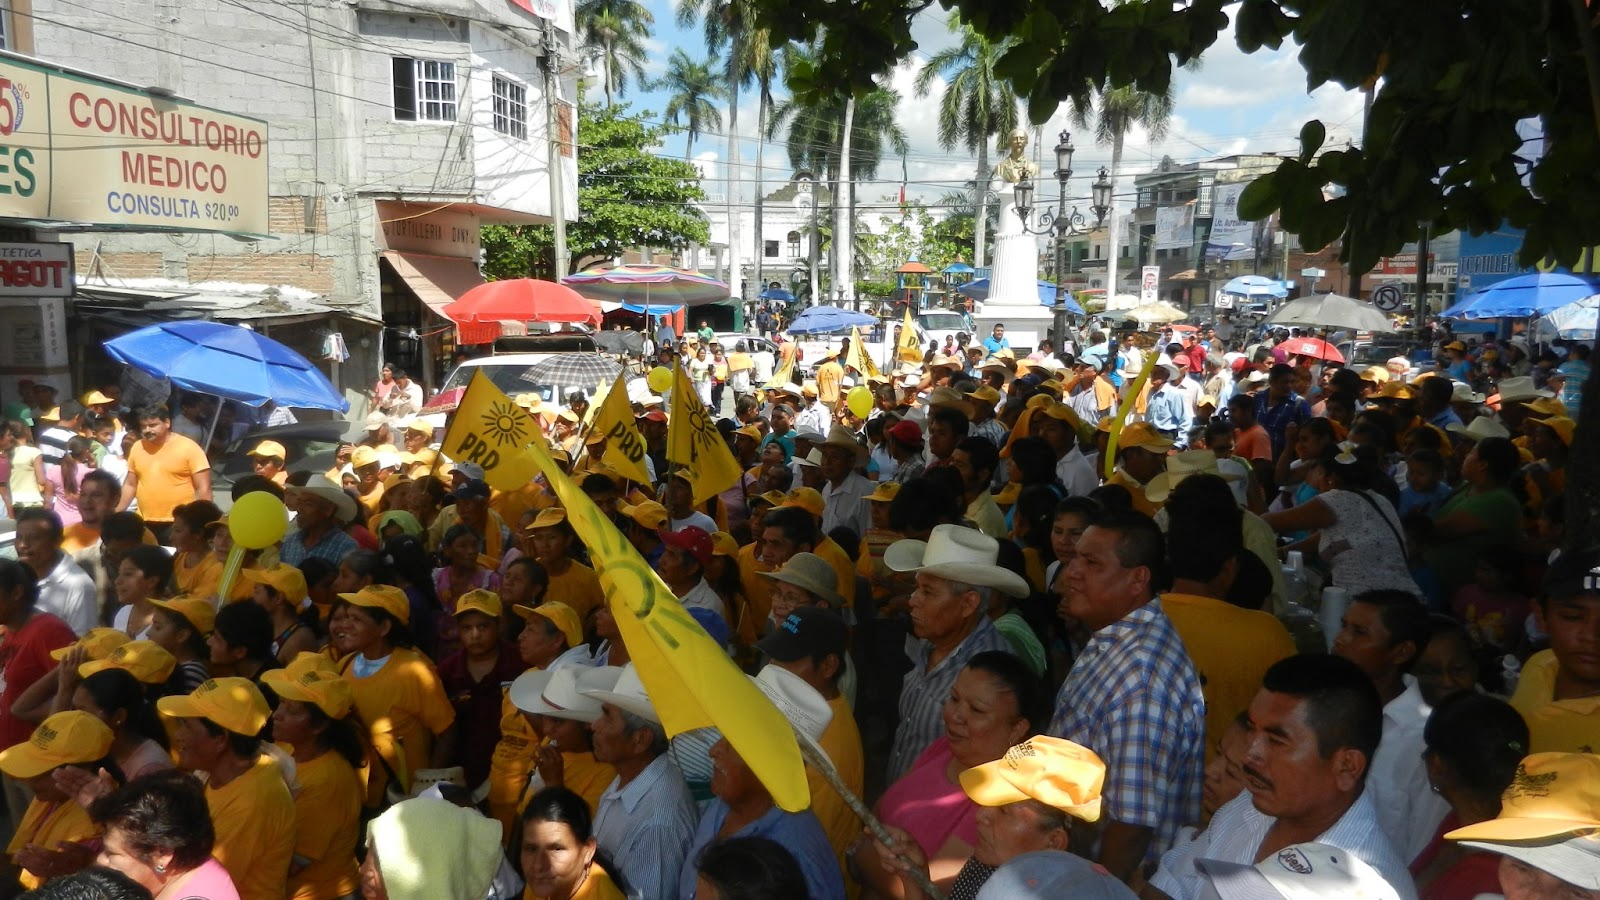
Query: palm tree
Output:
(694,87)
(976,105)
(617,28)
(1112,112)
(761,61)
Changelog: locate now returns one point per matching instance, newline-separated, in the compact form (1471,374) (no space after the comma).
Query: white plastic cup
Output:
(1334,602)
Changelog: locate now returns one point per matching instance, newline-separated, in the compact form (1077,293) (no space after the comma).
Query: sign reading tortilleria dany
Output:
(76,149)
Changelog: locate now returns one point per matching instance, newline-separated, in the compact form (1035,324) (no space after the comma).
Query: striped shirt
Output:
(1236,833)
(924,691)
(1133,696)
(646,827)
(992,429)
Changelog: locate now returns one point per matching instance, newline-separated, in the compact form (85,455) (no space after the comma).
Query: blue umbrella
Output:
(958,268)
(828,319)
(227,361)
(653,309)
(1533,294)
(776,294)
(979,290)
(1256,286)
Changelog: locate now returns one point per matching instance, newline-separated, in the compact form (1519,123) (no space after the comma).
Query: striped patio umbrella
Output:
(648,285)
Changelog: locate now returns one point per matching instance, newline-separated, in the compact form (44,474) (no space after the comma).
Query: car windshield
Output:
(506,377)
(942,322)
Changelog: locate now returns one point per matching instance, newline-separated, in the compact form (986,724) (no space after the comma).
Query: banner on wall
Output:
(1231,237)
(1174,226)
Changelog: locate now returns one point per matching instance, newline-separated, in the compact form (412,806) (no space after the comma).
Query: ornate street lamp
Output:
(1062,224)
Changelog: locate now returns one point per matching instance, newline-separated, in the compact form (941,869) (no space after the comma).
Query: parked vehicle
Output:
(310,447)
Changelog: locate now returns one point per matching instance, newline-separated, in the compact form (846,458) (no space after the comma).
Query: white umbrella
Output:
(1121,301)
(1156,313)
(1332,311)
(1573,322)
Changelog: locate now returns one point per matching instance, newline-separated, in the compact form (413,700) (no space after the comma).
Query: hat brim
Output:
(1568,860)
(1520,829)
(825,592)
(908,555)
(859,451)
(180,707)
(343,504)
(1161,486)
(24,760)
(986,787)
(639,706)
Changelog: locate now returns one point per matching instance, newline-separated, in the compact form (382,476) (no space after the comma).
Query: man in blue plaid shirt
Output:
(1133,696)
(1279,406)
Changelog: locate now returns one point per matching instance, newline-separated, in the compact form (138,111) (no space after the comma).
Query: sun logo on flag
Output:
(503,423)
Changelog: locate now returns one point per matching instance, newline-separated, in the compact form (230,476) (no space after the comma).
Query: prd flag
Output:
(695,445)
(785,371)
(624,446)
(491,430)
(859,358)
(691,681)
(910,348)
(1129,397)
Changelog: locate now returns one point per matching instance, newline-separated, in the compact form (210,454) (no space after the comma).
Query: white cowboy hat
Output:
(1181,466)
(319,486)
(1480,428)
(1520,388)
(559,693)
(1461,392)
(959,554)
(811,460)
(799,702)
(949,396)
(627,694)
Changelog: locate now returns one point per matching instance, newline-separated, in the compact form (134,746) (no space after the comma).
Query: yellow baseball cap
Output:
(808,499)
(750,431)
(1144,436)
(198,613)
(311,678)
(565,617)
(285,579)
(420,426)
(64,739)
(1053,771)
(885,492)
(647,513)
(771,498)
(235,704)
(724,544)
(1562,426)
(363,456)
(549,518)
(390,599)
(1552,794)
(480,601)
(97,643)
(145,660)
(95,398)
(269,449)
(986,394)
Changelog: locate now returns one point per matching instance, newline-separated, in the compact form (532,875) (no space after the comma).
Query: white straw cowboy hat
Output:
(1481,427)
(840,436)
(1181,466)
(560,693)
(319,486)
(799,702)
(1519,389)
(628,695)
(959,554)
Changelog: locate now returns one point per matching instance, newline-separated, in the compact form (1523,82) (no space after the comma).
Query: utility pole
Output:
(552,98)
(1419,312)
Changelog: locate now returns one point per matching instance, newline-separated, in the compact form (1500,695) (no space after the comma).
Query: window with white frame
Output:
(424,90)
(794,243)
(510,108)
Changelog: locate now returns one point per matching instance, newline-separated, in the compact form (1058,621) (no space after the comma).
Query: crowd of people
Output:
(1052,616)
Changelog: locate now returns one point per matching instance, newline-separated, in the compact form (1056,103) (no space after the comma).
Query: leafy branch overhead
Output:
(1463,90)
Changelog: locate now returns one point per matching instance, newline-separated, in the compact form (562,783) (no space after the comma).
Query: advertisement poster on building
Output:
(1231,237)
(1174,226)
(1149,285)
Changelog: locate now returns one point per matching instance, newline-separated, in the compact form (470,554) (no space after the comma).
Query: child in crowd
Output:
(1492,607)
(1425,490)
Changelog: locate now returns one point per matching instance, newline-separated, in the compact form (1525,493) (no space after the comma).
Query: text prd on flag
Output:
(625,447)
(695,445)
(492,431)
(691,681)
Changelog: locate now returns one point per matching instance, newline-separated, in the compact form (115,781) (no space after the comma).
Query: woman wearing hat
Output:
(463,570)
(281,591)
(53,818)
(313,718)
(180,626)
(395,690)
(550,541)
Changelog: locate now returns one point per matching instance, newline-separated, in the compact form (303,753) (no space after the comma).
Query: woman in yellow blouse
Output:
(560,860)
(65,739)
(196,571)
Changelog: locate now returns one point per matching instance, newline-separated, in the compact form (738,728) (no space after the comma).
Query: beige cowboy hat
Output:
(959,554)
(319,486)
(1181,466)
(1480,428)
(806,710)
(627,694)
(1461,392)
(949,396)
(1520,389)
(840,436)
(810,573)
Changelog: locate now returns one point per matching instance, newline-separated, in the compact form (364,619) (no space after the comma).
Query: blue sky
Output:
(1233,104)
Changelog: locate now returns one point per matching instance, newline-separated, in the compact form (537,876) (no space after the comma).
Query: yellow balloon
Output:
(859,399)
(258,520)
(659,379)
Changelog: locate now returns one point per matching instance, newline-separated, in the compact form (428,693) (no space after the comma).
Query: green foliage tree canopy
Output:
(627,197)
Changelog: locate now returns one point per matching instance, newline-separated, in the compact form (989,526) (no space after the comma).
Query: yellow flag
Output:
(785,370)
(492,431)
(910,348)
(624,445)
(860,359)
(691,681)
(1129,397)
(695,444)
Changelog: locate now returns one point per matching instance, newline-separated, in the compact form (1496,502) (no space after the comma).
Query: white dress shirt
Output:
(1076,473)
(68,593)
(813,418)
(846,504)
(1397,780)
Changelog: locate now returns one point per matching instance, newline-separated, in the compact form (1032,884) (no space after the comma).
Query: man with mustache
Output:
(1313,728)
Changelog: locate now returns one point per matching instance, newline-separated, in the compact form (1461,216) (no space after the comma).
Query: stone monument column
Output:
(1013,298)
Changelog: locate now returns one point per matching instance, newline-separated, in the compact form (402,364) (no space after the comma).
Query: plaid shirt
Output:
(991,428)
(924,691)
(1276,418)
(1133,697)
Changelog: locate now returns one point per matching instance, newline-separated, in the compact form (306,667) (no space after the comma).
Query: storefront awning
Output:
(436,280)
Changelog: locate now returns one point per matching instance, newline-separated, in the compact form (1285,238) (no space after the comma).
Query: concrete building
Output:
(397,129)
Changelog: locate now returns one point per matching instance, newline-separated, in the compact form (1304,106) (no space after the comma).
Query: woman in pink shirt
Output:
(158,832)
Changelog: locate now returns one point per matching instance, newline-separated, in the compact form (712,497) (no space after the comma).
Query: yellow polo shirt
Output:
(327,814)
(1555,726)
(49,825)
(1232,648)
(254,819)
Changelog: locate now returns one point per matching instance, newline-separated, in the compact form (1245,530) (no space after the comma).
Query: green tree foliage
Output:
(627,197)
(617,28)
(693,88)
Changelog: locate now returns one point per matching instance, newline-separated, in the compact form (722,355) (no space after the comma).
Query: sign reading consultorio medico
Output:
(77,149)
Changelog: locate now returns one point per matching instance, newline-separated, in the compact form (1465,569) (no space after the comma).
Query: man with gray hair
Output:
(647,817)
(956,575)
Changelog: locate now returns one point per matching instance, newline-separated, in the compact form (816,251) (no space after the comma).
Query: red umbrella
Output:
(479,312)
(1314,347)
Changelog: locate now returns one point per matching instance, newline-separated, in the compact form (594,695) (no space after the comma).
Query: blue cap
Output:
(1051,874)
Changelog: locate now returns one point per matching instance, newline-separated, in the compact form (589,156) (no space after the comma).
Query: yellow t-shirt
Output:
(757,590)
(830,375)
(512,504)
(844,570)
(372,501)
(403,706)
(577,587)
(584,776)
(1555,726)
(327,814)
(598,886)
(842,742)
(1141,503)
(1232,648)
(511,763)
(254,818)
(165,475)
(200,580)
(50,825)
